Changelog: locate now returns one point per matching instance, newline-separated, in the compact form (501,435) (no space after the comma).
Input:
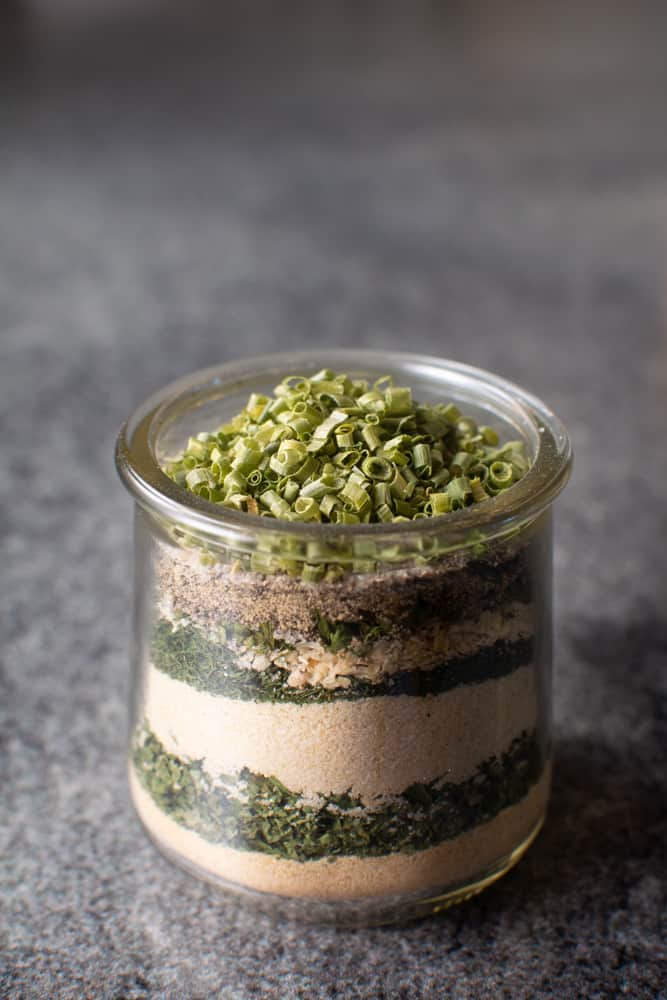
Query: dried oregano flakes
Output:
(336,450)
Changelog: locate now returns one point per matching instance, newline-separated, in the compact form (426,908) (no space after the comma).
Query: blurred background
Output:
(182,184)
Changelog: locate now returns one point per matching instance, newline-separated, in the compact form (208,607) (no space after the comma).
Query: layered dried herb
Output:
(256,813)
(186,654)
(337,450)
(339,635)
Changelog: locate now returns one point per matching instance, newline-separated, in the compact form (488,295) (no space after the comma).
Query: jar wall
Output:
(366,747)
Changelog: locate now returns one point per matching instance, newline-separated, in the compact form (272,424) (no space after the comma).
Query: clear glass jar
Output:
(344,722)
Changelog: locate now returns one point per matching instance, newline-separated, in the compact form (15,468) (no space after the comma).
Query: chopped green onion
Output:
(346,459)
(384,512)
(311,573)
(398,401)
(290,491)
(328,503)
(234,482)
(334,449)
(458,491)
(441,478)
(501,475)
(439,503)
(323,375)
(398,485)
(478,491)
(421,459)
(197,448)
(462,460)
(356,496)
(371,436)
(316,488)
(274,502)
(199,477)
(402,507)
(489,435)
(466,427)
(377,468)
(381,495)
(345,436)
(307,508)
(344,517)
(372,401)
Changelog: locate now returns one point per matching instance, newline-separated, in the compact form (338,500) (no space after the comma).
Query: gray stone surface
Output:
(483,182)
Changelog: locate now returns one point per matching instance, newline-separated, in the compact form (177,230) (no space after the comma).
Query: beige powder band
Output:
(371,746)
(468,856)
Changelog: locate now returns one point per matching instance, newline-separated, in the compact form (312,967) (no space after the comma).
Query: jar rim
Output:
(549,472)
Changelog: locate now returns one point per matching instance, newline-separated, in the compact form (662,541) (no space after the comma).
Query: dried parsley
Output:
(339,635)
(186,654)
(257,813)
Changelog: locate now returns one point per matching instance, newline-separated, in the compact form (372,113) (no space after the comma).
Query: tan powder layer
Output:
(371,746)
(220,592)
(450,863)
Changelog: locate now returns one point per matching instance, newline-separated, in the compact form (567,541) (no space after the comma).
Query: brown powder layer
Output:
(373,746)
(466,857)
(454,587)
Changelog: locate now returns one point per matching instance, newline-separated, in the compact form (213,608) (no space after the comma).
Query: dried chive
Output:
(333,440)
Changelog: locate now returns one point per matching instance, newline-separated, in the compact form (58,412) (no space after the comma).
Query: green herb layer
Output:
(263,815)
(186,654)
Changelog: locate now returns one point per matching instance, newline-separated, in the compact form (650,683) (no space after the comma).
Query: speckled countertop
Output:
(487,183)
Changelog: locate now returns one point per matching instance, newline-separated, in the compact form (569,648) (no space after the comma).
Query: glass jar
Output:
(348,723)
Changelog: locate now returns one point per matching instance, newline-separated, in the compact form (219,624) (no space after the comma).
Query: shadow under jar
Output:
(349,723)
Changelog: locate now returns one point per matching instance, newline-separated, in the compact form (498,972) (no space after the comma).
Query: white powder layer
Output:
(468,856)
(371,746)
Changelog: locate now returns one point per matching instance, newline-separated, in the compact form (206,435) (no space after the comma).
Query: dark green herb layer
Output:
(187,655)
(263,815)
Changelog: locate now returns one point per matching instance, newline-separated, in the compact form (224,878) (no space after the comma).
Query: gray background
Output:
(484,182)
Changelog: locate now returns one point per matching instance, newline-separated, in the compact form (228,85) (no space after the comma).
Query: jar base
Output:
(437,904)
(386,909)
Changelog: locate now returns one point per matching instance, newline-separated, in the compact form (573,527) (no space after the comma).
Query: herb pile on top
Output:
(337,450)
